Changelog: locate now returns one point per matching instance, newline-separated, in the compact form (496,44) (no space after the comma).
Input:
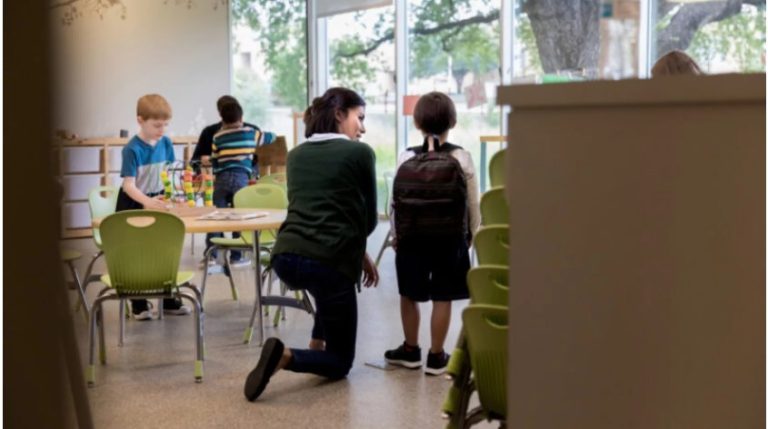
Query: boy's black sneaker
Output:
(141,309)
(175,307)
(437,363)
(405,355)
(259,377)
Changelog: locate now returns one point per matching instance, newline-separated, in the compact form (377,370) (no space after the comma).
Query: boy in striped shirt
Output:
(232,159)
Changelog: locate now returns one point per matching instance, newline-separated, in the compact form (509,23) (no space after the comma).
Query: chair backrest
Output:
(496,168)
(279,179)
(142,249)
(486,327)
(489,284)
(493,207)
(102,201)
(492,245)
(261,196)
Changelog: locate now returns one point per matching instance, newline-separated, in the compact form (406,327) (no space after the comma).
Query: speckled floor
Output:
(149,381)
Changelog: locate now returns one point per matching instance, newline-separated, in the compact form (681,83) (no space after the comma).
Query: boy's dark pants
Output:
(227,183)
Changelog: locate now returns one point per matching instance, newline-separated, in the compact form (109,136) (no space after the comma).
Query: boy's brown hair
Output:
(434,113)
(153,106)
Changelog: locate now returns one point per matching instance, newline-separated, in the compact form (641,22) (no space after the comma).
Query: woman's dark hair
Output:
(320,117)
(231,112)
(434,113)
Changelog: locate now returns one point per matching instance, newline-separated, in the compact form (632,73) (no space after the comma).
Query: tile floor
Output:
(149,381)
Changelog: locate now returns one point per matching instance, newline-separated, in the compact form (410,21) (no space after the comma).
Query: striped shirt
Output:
(233,148)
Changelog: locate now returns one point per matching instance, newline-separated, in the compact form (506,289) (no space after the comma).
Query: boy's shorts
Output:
(432,269)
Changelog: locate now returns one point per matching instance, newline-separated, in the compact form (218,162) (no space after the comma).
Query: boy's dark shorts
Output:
(432,269)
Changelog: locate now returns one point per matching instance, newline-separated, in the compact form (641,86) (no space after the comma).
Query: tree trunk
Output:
(458,77)
(567,33)
(687,21)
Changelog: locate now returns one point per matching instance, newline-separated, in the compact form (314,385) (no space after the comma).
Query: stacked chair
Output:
(479,362)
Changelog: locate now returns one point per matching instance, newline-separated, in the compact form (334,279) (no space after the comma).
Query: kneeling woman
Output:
(321,246)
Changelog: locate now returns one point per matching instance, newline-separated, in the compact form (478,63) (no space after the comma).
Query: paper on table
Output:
(217,215)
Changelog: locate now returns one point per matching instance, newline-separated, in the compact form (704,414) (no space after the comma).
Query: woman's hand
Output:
(370,272)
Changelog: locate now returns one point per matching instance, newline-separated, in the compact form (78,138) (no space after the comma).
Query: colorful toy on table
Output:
(208,196)
(188,190)
(166,185)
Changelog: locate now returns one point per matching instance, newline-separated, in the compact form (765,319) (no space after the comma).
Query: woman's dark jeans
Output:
(335,318)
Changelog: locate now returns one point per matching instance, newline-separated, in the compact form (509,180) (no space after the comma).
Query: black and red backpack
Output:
(429,194)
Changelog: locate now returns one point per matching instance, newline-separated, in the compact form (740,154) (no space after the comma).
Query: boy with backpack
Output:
(436,212)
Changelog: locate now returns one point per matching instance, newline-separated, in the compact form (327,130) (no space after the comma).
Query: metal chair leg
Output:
(121,336)
(102,342)
(199,340)
(81,293)
(229,268)
(88,272)
(387,243)
(90,376)
(207,254)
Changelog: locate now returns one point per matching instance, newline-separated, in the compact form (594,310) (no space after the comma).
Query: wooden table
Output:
(275,218)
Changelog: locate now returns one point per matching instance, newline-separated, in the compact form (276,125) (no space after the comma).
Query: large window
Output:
(361,56)
(574,39)
(269,63)
(454,48)
(722,36)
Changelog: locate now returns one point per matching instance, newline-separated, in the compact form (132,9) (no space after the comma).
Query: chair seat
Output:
(181,278)
(70,255)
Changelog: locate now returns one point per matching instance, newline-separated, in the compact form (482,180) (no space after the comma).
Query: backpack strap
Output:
(442,147)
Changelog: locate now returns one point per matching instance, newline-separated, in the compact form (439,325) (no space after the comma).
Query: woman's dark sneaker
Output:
(405,355)
(437,363)
(259,377)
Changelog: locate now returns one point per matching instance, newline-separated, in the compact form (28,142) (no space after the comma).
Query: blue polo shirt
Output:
(145,162)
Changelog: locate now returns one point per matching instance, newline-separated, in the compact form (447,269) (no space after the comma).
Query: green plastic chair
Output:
(142,250)
(68,257)
(486,331)
(493,207)
(259,196)
(278,179)
(102,201)
(496,168)
(492,245)
(489,284)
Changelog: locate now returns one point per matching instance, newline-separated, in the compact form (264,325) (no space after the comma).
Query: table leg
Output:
(256,315)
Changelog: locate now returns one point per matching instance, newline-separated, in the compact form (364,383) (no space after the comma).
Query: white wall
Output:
(103,65)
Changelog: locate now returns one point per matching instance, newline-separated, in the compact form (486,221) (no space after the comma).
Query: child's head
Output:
(153,113)
(231,112)
(434,113)
(223,100)
(339,110)
(675,63)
